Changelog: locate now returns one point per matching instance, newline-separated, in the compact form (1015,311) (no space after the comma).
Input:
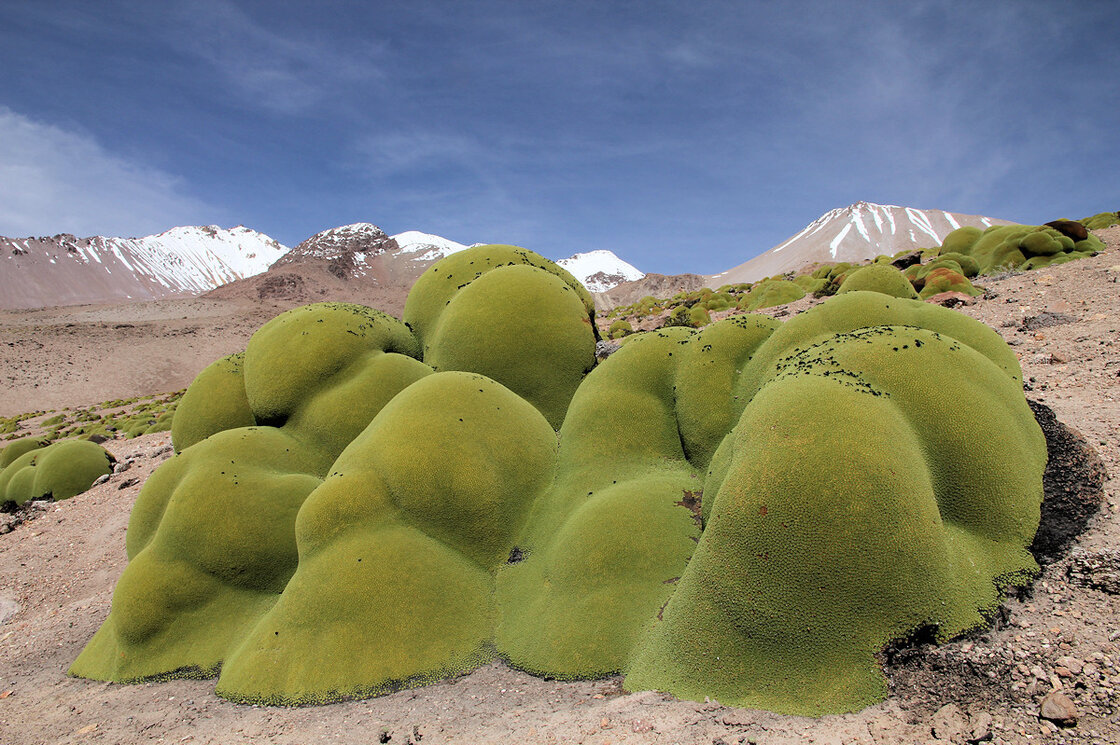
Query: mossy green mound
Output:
(20,447)
(748,512)
(811,283)
(941,279)
(486,325)
(398,546)
(698,316)
(619,329)
(211,544)
(965,265)
(58,471)
(323,371)
(881,278)
(1101,220)
(775,538)
(476,311)
(622,516)
(214,401)
(770,293)
(1003,247)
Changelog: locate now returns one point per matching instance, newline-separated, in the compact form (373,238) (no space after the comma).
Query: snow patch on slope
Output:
(428,247)
(64,269)
(600,270)
(835,245)
(185,259)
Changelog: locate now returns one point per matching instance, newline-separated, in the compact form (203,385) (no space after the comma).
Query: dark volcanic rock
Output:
(1072,228)
(1099,570)
(907,260)
(1045,319)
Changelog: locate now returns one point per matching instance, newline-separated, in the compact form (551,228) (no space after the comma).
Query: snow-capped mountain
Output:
(854,233)
(66,270)
(356,261)
(426,246)
(600,270)
(335,243)
(364,251)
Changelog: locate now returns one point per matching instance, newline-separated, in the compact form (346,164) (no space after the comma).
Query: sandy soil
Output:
(58,567)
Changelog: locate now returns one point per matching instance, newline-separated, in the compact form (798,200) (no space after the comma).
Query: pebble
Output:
(8,608)
(980,728)
(948,723)
(1057,707)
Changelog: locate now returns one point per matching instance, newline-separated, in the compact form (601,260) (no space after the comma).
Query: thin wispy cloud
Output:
(53,180)
(281,71)
(406,151)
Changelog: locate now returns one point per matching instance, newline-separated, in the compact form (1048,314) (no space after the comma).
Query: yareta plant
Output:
(1003,247)
(60,470)
(748,512)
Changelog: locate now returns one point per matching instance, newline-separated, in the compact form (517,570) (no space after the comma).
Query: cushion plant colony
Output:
(749,512)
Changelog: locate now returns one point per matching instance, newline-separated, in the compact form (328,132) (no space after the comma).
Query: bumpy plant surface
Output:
(1003,247)
(748,512)
(1101,220)
(34,469)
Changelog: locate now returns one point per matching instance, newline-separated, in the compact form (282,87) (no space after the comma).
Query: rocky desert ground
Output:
(1047,671)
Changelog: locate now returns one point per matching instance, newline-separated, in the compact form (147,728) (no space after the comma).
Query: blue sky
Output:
(682,136)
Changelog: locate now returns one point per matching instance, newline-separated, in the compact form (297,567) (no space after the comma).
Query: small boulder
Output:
(951,299)
(949,723)
(604,349)
(1099,570)
(1072,228)
(1058,708)
(980,727)
(907,260)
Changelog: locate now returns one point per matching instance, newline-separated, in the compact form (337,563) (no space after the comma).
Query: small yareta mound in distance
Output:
(881,278)
(60,470)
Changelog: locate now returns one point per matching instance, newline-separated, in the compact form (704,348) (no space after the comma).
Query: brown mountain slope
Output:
(657,285)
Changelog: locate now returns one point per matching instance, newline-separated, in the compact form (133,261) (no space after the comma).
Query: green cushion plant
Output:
(881,278)
(749,512)
(60,470)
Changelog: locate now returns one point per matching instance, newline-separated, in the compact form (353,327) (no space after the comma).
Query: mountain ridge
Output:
(860,231)
(189,261)
(182,261)
(347,261)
